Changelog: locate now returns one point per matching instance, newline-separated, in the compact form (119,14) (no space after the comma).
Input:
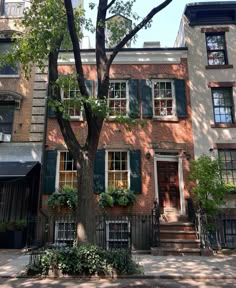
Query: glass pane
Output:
(215,42)
(216,58)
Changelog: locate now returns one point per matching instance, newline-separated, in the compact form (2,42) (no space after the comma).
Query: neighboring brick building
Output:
(149,84)
(21,128)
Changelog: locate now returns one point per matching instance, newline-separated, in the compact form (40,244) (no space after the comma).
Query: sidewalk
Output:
(13,263)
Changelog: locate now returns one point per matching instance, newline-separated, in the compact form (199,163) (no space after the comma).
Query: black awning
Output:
(16,169)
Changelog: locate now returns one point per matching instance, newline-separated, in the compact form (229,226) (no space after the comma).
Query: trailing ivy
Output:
(116,196)
(65,197)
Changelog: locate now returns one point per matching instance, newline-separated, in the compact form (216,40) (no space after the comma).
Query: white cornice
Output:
(130,57)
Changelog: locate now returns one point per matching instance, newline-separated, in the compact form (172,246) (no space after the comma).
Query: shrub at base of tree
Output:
(85,260)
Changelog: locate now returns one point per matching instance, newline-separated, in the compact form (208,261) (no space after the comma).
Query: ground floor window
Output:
(67,174)
(228,158)
(117,169)
(64,232)
(117,234)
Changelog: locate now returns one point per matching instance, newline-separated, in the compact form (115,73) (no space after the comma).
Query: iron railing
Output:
(134,232)
(13,9)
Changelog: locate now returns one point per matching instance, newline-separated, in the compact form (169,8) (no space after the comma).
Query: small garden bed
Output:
(84,260)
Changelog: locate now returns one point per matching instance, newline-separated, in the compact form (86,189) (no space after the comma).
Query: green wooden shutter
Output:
(99,172)
(50,171)
(147,105)
(135,171)
(89,86)
(134,111)
(180,96)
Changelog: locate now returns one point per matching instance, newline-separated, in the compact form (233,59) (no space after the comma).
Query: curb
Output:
(161,276)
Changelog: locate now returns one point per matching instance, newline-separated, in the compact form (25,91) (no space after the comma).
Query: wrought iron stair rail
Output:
(156,224)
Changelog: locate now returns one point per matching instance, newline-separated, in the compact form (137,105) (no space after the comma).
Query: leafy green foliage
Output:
(116,196)
(230,188)
(65,197)
(209,186)
(17,225)
(86,260)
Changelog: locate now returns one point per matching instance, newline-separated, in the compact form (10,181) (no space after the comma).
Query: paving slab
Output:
(195,267)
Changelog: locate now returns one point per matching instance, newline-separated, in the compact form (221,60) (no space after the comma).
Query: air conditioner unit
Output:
(6,137)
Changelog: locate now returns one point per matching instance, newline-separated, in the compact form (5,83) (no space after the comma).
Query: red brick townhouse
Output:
(149,84)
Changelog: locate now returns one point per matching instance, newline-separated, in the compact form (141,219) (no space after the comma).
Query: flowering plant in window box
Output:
(116,196)
(64,197)
(230,188)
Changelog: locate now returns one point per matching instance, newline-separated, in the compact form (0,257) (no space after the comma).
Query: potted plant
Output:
(66,197)
(116,196)
(13,234)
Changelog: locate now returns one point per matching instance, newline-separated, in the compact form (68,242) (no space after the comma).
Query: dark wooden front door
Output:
(168,186)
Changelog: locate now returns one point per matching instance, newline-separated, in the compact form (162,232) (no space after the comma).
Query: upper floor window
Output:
(118,98)
(228,159)
(117,169)
(72,107)
(6,120)
(222,105)
(164,98)
(14,8)
(216,48)
(6,46)
(67,173)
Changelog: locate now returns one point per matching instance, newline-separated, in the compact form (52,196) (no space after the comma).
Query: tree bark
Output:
(85,212)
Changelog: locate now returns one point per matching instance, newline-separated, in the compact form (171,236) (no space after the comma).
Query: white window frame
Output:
(109,240)
(106,166)
(72,117)
(58,167)
(63,239)
(173,98)
(127,97)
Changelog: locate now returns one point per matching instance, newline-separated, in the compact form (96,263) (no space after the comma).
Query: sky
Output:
(165,24)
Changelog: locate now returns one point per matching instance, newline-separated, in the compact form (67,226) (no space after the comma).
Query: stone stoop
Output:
(177,238)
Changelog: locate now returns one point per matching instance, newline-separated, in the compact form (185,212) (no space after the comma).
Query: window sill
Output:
(9,76)
(166,119)
(219,66)
(223,125)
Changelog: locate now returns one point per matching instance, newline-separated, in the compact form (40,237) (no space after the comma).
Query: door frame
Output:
(171,158)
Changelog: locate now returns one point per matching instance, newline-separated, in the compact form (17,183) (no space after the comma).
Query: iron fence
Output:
(134,232)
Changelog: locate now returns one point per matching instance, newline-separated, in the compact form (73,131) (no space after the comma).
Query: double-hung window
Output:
(216,48)
(13,8)
(117,169)
(64,232)
(118,234)
(72,105)
(6,120)
(118,98)
(6,46)
(228,159)
(163,98)
(67,173)
(222,105)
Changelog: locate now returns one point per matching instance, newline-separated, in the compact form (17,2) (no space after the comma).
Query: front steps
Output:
(177,238)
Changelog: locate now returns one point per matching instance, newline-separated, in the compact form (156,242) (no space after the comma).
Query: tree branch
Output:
(54,93)
(101,58)
(76,47)
(110,4)
(134,31)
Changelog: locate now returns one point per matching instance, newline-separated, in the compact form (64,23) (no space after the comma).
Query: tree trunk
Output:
(85,212)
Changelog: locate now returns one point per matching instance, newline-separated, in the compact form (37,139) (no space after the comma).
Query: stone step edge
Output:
(176,224)
(177,232)
(180,240)
(180,249)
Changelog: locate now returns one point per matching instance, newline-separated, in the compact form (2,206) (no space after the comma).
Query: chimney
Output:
(151,44)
